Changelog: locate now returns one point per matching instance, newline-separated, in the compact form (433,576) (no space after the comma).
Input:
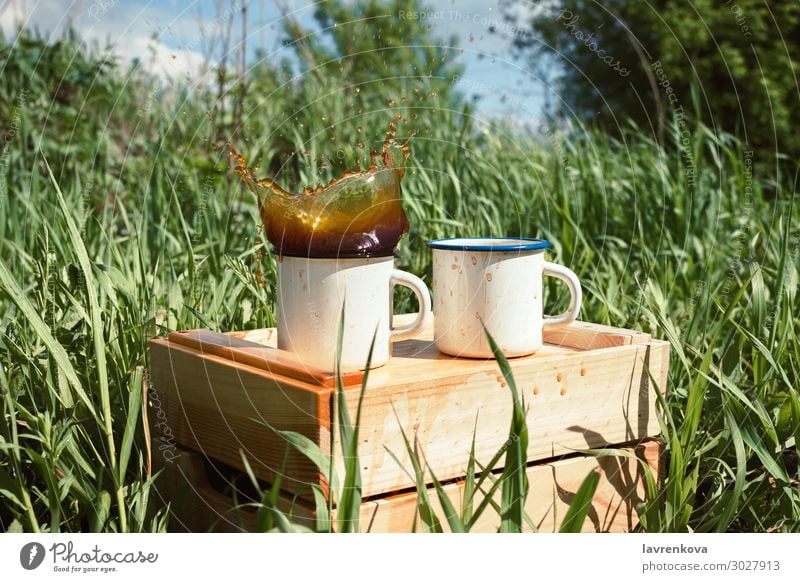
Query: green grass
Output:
(143,228)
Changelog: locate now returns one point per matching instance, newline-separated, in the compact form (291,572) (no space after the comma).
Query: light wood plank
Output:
(585,400)
(580,335)
(213,405)
(552,486)
(592,336)
(267,358)
(199,506)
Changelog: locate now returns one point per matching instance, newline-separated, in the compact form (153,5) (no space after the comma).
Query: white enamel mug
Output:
(311,293)
(496,282)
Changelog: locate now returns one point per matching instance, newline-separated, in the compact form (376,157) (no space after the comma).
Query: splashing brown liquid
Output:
(356,215)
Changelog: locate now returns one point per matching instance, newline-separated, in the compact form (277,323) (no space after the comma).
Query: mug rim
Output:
(473,243)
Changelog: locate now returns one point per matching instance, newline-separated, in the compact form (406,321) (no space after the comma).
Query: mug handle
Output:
(423,296)
(571,279)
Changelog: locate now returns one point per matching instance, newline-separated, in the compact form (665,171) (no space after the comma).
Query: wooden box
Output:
(207,496)
(590,386)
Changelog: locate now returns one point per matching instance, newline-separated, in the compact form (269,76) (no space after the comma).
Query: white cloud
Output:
(124,28)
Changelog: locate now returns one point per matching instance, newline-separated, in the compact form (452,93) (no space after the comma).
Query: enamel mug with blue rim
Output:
(496,282)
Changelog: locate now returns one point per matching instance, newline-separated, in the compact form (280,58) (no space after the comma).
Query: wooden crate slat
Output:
(552,487)
(259,356)
(198,506)
(591,336)
(581,335)
(598,398)
(213,405)
(419,358)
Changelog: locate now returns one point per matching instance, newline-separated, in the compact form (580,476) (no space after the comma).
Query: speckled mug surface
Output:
(311,293)
(496,282)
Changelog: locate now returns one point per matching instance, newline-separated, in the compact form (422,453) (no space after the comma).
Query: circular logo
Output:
(31,555)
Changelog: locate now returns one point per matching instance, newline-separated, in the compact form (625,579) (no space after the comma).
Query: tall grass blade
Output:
(451,515)
(424,507)
(730,502)
(349,506)
(135,392)
(580,505)
(515,478)
(308,448)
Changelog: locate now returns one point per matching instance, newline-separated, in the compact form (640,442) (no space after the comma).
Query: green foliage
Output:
(730,64)
(395,50)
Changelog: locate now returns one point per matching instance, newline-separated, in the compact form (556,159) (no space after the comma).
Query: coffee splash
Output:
(356,215)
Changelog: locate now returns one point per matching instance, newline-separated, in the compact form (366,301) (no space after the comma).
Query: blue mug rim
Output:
(518,244)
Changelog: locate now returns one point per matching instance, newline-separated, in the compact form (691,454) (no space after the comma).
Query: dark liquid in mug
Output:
(356,215)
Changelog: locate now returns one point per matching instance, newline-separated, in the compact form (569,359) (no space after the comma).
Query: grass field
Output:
(142,228)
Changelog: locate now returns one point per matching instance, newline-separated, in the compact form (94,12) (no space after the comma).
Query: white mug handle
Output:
(571,279)
(423,296)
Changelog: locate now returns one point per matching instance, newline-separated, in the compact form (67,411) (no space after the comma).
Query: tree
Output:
(374,42)
(643,60)
(371,69)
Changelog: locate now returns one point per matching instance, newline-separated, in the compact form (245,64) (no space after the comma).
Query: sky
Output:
(505,86)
